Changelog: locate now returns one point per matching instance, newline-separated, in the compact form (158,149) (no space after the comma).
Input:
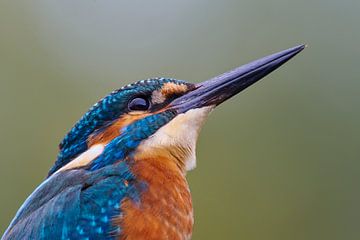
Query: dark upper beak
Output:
(223,87)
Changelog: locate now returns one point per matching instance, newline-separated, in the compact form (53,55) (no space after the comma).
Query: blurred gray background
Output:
(279,161)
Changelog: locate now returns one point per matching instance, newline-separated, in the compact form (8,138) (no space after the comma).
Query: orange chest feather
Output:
(165,210)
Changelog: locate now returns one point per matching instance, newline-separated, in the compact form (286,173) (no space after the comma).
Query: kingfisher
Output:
(121,170)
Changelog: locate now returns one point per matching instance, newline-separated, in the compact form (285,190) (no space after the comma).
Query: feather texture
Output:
(76,204)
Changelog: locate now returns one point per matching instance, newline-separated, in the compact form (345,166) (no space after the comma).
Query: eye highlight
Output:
(139,104)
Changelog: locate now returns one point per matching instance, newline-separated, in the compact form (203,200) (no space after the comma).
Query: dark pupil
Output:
(138,104)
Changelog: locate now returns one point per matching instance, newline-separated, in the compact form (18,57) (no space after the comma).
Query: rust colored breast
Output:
(165,210)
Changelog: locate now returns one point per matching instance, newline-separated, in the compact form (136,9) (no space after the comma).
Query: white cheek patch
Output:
(181,132)
(84,158)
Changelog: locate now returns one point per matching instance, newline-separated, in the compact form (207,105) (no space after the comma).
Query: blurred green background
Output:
(279,161)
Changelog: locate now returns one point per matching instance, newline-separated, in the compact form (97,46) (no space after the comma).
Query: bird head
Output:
(159,115)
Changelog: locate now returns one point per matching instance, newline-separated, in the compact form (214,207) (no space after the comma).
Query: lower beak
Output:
(220,88)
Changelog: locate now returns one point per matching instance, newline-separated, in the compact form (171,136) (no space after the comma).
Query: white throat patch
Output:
(182,131)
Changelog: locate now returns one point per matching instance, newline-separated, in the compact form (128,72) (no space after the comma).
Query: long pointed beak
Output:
(223,87)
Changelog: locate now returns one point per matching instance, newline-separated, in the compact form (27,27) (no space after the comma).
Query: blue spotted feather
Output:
(81,203)
(76,204)
(102,113)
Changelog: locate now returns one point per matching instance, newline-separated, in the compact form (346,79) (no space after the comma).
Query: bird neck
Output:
(165,209)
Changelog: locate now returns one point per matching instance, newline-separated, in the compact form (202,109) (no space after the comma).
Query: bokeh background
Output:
(279,161)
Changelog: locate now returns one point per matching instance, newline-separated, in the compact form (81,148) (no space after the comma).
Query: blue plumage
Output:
(76,204)
(81,203)
(101,114)
(132,135)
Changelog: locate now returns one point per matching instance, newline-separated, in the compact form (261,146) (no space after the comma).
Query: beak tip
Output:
(300,47)
(218,89)
(295,50)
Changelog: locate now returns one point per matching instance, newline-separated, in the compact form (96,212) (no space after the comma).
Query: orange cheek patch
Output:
(114,130)
(170,88)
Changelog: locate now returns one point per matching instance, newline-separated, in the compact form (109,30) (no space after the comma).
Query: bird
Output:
(121,170)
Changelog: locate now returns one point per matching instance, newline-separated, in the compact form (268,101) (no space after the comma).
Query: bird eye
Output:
(139,104)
